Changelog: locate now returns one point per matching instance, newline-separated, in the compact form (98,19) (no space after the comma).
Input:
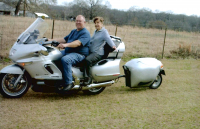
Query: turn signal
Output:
(21,64)
(161,66)
(24,63)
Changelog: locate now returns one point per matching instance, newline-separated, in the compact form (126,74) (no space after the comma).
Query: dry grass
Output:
(173,105)
(140,42)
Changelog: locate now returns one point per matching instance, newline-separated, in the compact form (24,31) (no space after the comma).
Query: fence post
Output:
(1,39)
(52,29)
(116,30)
(164,42)
(24,9)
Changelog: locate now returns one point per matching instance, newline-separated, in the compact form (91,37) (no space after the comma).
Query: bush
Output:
(157,24)
(184,51)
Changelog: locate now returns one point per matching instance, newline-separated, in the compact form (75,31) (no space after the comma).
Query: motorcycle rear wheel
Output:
(94,91)
(157,82)
(7,88)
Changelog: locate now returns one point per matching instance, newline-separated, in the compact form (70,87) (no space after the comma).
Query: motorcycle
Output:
(37,65)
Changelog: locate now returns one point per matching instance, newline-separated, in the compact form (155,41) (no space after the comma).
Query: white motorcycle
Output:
(37,65)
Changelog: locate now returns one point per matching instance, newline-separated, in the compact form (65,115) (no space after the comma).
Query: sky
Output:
(187,7)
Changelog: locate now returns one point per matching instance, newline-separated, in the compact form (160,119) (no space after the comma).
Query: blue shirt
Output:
(83,36)
(98,41)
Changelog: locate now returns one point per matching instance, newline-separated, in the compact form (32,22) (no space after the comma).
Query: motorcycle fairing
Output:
(12,69)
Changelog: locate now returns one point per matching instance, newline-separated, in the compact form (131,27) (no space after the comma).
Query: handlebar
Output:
(115,37)
(53,43)
(45,39)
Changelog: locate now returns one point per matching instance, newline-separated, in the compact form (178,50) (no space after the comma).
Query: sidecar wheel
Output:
(7,88)
(94,91)
(156,82)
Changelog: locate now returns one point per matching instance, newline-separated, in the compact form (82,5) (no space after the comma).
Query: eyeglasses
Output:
(78,21)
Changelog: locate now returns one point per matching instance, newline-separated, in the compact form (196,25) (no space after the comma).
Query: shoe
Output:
(82,80)
(82,83)
(88,82)
(60,87)
(68,87)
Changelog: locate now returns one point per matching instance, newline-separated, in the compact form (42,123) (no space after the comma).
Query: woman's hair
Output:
(98,18)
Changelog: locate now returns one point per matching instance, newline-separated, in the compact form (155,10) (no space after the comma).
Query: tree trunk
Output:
(17,7)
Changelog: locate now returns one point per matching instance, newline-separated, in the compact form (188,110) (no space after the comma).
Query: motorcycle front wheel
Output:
(94,91)
(10,89)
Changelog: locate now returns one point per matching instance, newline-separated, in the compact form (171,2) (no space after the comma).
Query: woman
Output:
(97,43)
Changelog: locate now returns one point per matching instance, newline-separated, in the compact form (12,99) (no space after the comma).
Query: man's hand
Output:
(62,46)
(60,40)
(114,47)
(73,44)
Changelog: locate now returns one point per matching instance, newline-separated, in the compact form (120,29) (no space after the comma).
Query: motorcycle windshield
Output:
(35,31)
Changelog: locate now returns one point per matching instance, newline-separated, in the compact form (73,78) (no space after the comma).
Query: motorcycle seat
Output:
(107,50)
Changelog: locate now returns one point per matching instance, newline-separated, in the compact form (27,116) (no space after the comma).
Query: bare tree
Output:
(31,4)
(18,7)
(93,7)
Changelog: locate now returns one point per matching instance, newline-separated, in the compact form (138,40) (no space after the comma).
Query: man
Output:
(76,46)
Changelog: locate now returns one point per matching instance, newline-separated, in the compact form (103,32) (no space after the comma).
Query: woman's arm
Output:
(109,40)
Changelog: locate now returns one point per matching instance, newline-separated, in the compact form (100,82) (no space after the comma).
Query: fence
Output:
(140,42)
(1,40)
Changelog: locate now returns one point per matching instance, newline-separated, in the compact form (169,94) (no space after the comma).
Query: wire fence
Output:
(139,41)
(175,25)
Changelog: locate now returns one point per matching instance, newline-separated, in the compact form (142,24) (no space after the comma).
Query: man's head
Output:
(80,22)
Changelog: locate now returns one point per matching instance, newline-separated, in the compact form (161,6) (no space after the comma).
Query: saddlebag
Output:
(141,71)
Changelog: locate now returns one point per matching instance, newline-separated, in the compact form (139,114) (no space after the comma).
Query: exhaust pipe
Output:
(98,85)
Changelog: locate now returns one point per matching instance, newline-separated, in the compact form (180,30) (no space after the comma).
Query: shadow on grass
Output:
(134,89)
(126,90)
(31,95)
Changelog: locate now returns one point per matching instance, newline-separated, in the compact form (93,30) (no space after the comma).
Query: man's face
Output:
(80,23)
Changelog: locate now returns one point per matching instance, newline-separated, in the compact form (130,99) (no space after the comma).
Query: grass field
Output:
(175,104)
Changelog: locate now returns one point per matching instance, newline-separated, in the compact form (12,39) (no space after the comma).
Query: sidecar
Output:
(143,72)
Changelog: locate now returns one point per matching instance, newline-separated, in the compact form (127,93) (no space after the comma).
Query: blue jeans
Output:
(68,60)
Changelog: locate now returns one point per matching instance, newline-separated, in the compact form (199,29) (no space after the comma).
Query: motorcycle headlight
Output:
(12,52)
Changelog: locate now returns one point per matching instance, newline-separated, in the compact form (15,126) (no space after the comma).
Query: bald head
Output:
(81,17)
(80,22)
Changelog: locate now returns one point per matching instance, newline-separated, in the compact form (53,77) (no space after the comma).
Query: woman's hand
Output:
(114,47)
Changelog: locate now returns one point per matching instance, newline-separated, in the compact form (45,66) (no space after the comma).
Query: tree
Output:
(93,7)
(32,4)
(89,8)
(18,7)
